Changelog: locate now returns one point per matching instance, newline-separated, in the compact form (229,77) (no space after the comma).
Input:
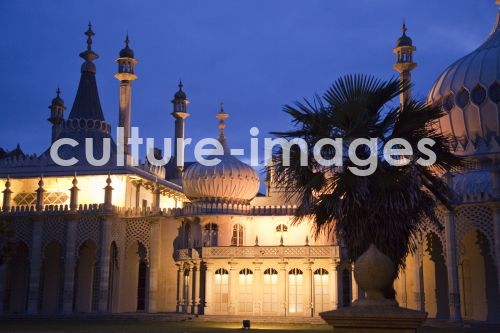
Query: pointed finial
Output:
(256,240)
(40,182)
(281,240)
(89,34)
(221,107)
(7,183)
(180,85)
(58,92)
(404,29)
(307,240)
(127,40)
(108,180)
(75,181)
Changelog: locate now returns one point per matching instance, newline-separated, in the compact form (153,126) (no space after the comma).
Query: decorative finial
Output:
(307,240)
(281,240)
(404,29)
(256,240)
(7,183)
(58,92)
(180,85)
(127,40)
(40,182)
(221,107)
(89,34)
(108,180)
(75,181)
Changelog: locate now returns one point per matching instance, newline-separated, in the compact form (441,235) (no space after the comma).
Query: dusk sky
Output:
(255,56)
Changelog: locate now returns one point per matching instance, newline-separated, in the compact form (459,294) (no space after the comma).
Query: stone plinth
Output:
(374,318)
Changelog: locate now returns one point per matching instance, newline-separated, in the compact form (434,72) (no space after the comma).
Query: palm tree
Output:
(386,208)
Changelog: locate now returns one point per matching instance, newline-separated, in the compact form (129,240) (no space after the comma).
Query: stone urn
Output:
(374,272)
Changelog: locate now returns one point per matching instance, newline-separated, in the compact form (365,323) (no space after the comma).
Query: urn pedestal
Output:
(374,272)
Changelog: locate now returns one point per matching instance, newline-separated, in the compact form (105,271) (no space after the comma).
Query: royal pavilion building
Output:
(202,240)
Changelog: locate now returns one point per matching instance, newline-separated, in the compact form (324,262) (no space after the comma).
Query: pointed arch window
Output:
(270,291)
(321,290)
(238,234)
(210,234)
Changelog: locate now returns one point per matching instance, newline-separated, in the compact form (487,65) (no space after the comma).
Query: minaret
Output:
(404,61)
(180,113)
(56,115)
(126,63)
(222,116)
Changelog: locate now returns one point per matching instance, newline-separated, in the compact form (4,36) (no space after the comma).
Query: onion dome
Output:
(57,101)
(126,52)
(180,94)
(469,93)
(404,40)
(230,181)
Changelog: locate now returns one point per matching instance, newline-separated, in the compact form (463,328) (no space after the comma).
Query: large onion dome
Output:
(230,181)
(469,92)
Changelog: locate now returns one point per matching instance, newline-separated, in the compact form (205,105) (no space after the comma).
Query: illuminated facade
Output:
(201,240)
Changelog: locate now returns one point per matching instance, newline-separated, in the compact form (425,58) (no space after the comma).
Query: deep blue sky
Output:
(253,55)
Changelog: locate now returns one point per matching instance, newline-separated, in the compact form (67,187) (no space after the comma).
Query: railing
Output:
(226,252)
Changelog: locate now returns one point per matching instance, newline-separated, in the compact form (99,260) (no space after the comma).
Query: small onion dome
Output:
(180,94)
(469,93)
(229,181)
(404,40)
(126,52)
(57,101)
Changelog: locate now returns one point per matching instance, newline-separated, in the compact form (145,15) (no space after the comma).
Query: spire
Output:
(222,116)
(87,104)
(127,52)
(89,55)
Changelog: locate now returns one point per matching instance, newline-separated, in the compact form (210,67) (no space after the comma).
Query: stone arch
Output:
(114,274)
(435,277)
(17,280)
(135,278)
(477,277)
(86,277)
(51,278)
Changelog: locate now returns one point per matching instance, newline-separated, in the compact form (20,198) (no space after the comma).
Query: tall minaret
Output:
(404,61)
(126,63)
(180,113)
(56,115)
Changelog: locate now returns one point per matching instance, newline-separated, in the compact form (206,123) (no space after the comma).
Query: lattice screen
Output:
(476,218)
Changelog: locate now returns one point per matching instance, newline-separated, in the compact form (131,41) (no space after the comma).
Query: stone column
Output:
(452,267)
(354,286)
(257,288)
(69,265)
(208,287)
(496,230)
(282,288)
(104,253)
(180,287)
(418,292)
(197,287)
(402,288)
(154,265)
(308,295)
(335,284)
(35,265)
(233,288)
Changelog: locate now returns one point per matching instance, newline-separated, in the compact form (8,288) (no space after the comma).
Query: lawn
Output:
(159,326)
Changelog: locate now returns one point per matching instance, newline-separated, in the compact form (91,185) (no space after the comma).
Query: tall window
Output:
(295,291)
(221,290)
(270,291)
(210,234)
(186,236)
(246,290)
(185,289)
(281,233)
(237,238)
(321,290)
